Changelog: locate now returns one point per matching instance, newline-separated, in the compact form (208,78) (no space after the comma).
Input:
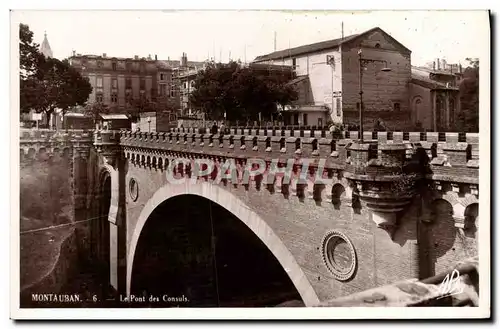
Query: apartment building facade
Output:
(123,82)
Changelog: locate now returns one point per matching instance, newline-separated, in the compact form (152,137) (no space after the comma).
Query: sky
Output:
(451,35)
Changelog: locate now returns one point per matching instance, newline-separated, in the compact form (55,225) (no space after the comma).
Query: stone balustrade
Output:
(444,156)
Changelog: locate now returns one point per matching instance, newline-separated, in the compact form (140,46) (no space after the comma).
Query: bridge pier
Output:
(107,145)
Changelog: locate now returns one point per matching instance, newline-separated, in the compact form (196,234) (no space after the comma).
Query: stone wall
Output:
(53,191)
(47,178)
(381,90)
(65,266)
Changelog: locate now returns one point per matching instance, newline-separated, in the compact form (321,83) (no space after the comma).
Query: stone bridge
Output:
(324,217)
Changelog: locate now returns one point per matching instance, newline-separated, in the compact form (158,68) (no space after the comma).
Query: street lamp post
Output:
(363,61)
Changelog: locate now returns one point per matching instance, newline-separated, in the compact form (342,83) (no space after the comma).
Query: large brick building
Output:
(331,77)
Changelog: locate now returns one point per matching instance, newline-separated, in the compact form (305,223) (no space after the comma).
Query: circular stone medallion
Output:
(339,255)
(133,188)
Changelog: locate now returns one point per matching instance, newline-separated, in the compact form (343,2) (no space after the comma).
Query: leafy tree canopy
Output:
(93,110)
(48,83)
(468,118)
(240,92)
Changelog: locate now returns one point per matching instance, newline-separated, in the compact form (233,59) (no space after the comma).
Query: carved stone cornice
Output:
(383,182)
(107,143)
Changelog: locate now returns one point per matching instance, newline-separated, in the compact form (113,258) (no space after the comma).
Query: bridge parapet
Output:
(450,137)
(449,161)
(35,143)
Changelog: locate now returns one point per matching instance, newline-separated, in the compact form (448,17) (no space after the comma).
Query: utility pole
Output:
(275,35)
(342,31)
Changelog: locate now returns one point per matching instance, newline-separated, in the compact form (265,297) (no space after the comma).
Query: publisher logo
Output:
(451,285)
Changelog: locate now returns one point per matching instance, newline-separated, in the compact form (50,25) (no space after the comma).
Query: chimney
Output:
(434,66)
(460,68)
(149,56)
(438,64)
(74,53)
(104,55)
(184,59)
(136,57)
(443,64)
(156,57)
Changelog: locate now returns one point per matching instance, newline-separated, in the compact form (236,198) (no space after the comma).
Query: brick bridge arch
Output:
(239,209)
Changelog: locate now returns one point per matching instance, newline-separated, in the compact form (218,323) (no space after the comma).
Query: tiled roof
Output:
(431,71)
(306,108)
(298,80)
(74,115)
(315,47)
(430,84)
(114,116)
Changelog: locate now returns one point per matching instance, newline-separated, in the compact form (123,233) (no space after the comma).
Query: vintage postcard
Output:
(250,164)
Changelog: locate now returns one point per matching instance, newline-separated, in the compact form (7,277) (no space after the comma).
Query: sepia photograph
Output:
(295,164)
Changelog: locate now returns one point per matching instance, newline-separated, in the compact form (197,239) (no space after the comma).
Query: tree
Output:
(48,83)
(29,61)
(240,92)
(138,106)
(468,118)
(95,109)
(28,51)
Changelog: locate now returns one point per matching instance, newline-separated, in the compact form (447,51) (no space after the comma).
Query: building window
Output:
(305,119)
(114,83)
(338,106)
(114,98)
(294,63)
(128,96)
(99,64)
(163,90)
(142,84)
(162,76)
(128,66)
(377,45)
(452,111)
(99,82)
(397,106)
(143,66)
(113,66)
(357,106)
(128,83)
(98,98)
